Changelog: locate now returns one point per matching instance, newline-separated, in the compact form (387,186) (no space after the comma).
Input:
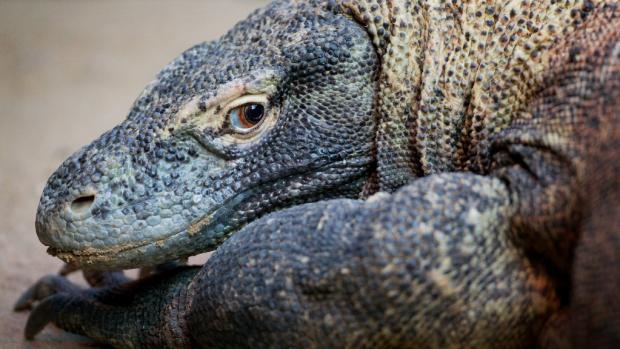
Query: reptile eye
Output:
(246,117)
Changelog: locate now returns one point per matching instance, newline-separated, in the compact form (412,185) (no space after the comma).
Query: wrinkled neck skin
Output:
(453,74)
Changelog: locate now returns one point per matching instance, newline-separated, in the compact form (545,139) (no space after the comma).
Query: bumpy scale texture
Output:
(168,181)
(426,174)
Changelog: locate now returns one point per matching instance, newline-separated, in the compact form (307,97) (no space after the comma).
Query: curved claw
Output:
(47,286)
(43,314)
(26,299)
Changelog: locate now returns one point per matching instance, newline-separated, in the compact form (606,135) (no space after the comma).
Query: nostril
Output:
(82,204)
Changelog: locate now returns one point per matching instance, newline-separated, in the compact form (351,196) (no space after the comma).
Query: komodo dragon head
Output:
(277,112)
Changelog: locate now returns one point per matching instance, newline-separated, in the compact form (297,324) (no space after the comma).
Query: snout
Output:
(62,214)
(81,205)
(110,204)
(90,225)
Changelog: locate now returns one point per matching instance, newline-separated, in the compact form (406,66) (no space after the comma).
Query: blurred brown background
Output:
(69,70)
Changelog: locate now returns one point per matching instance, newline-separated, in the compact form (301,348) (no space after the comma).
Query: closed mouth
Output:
(96,255)
(110,255)
(91,255)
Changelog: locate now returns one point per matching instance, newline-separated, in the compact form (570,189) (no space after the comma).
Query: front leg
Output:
(147,313)
(430,266)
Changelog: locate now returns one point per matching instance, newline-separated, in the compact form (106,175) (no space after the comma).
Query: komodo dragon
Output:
(373,174)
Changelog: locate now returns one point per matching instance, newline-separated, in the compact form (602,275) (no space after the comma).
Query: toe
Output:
(46,286)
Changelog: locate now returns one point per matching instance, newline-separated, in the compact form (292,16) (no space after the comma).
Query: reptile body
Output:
(424,174)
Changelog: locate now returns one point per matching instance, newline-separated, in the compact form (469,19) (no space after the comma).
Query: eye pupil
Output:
(253,113)
(246,117)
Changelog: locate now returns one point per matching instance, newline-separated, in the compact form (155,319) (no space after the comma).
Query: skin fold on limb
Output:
(420,174)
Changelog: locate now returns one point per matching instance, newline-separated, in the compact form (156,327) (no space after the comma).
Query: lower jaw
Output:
(140,254)
(119,257)
(132,254)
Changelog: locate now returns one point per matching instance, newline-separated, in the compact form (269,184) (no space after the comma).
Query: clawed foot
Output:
(113,306)
(50,285)
(46,287)
(51,293)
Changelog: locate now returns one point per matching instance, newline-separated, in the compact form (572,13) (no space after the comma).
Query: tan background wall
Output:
(69,70)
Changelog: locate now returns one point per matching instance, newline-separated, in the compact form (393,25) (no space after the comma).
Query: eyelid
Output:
(258,99)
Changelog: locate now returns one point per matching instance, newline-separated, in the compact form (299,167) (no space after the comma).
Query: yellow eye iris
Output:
(246,117)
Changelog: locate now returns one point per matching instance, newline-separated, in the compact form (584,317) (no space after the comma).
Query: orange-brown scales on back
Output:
(454,73)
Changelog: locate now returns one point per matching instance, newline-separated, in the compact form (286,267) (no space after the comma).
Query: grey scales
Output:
(370,174)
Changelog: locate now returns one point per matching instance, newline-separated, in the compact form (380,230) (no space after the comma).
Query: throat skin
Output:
(455,73)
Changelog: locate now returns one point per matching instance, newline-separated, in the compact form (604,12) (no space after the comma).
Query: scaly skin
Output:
(426,174)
